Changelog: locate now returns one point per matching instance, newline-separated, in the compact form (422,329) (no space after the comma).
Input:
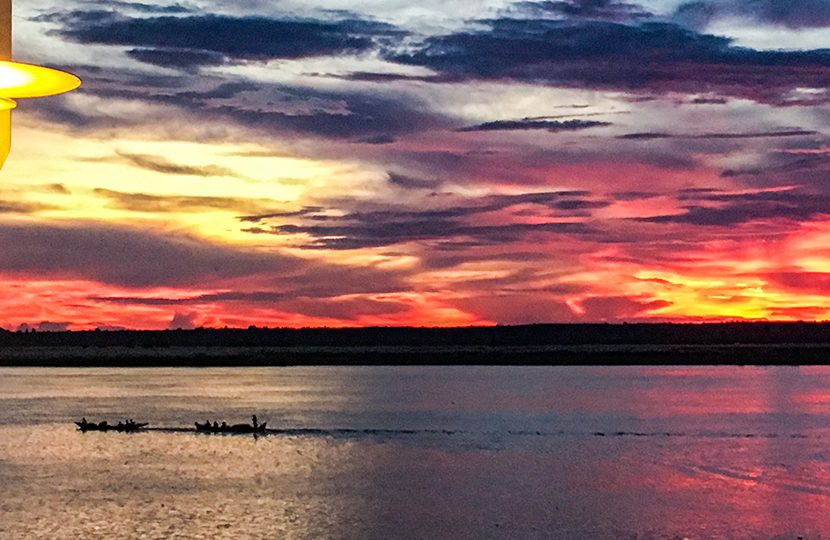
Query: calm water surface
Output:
(419,452)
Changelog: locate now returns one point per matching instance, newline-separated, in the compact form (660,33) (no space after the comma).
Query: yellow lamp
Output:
(18,81)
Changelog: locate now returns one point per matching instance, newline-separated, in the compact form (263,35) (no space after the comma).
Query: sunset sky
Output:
(384,162)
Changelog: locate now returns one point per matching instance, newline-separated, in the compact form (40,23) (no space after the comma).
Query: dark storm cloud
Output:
(142,202)
(359,236)
(370,76)
(225,90)
(610,10)
(490,203)
(366,118)
(370,118)
(527,165)
(161,165)
(177,58)
(751,135)
(634,195)
(122,84)
(376,228)
(127,257)
(411,182)
(236,38)
(647,59)
(789,13)
(713,208)
(577,204)
(381,138)
(708,101)
(136,6)
(254,297)
(784,165)
(140,258)
(77,17)
(17,207)
(373,117)
(307,211)
(530,124)
(696,191)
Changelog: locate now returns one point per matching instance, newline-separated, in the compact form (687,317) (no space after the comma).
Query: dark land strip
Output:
(786,354)
(555,344)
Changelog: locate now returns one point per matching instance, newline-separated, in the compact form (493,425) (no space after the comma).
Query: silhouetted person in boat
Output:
(224,425)
(255,422)
(215,424)
(83,421)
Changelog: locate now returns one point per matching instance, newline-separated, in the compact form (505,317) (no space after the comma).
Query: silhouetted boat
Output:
(128,426)
(225,428)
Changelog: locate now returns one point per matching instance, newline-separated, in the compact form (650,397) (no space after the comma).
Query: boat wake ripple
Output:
(384,432)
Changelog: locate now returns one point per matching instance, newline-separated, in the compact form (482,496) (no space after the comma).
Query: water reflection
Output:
(420,453)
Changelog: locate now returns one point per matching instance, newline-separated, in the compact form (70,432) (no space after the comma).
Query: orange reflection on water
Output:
(722,474)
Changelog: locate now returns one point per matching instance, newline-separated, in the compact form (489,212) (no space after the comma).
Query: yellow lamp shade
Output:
(19,80)
(5,134)
(27,81)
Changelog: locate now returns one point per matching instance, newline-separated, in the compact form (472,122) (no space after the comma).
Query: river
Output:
(419,452)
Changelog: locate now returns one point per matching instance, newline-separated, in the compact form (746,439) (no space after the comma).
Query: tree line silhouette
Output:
(489,336)
(543,344)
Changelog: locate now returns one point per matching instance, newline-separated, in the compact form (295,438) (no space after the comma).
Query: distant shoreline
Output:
(596,355)
(758,343)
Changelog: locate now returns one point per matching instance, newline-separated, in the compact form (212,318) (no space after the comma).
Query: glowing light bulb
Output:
(11,77)
(21,81)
